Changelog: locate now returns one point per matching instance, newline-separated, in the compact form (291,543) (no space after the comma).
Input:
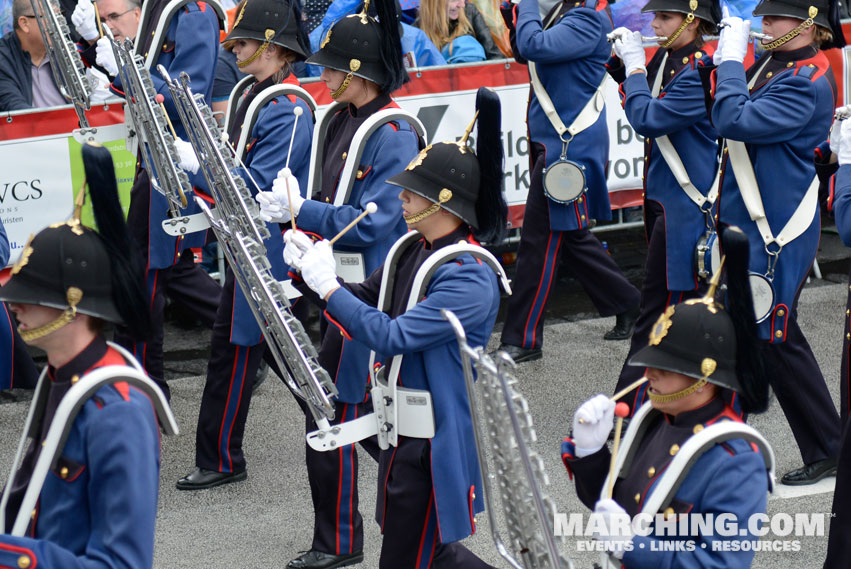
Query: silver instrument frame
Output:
(240,231)
(518,470)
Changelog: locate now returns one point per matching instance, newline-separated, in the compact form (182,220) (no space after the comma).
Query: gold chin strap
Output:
(707,367)
(354,65)
(692,5)
(270,33)
(444,196)
(794,33)
(74,295)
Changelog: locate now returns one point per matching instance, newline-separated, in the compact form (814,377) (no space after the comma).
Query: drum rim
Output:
(578,167)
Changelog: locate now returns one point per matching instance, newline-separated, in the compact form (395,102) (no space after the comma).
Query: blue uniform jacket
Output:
(842,203)
(101,512)
(388,151)
(432,361)
(679,112)
(266,155)
(780,146)
(191,45)
(570,57)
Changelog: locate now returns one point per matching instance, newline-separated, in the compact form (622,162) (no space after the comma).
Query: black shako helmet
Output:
(706,10)
(700,339)
(70,267)
(824,13)
(367,47)
(466,183)
(271,21)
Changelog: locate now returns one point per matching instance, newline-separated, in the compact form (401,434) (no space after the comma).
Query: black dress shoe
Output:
(201,479)
(624,325)
(811,473)
(520,354)
(314,559)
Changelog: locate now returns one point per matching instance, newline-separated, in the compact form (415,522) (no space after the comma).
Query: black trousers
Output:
(845,371)
(655,298)
(406,512)
(538,257)
(838,544)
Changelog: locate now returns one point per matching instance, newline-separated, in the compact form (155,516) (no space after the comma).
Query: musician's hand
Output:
(614,528)
(297,244)
(105,57)
(100,85)
(844,154)
(630,50)
(592,424)
(275,205)
(733,41)
(619,33)
(83,19)
(318,269)
(187,159)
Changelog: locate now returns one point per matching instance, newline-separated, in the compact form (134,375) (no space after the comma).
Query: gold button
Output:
(725,150)
(24,561)
(778,334)
(345,154)
(674,449)
(769,74)
(698,55)
(790,64)
(360,174)
(669,512)
(75,379)
(811,65)
(327,200)
(577,4)
(651,472)
(781,312)
(165,46)
(672,71)
(582,217)
(848,313)
(637,498)
(32,515)
(697,428)
(474,495)
(848,336)
(64,472)
(580,200)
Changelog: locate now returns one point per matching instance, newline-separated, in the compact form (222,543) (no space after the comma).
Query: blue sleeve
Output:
(573,37)
(416,41)
(466,289)
(5,252)
(765,120)
(227,75)
(681,106)
(123,462)
(738,487)
(395,150)
(842,203)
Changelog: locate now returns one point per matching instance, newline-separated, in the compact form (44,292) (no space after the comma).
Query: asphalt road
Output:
(267,520)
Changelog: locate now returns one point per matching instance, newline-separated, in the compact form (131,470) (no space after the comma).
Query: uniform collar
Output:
(685,51)
(378,103)
(460,233)
(81,363)
(799,54)
(701,415)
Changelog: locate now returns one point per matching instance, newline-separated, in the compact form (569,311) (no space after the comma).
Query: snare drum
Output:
(564,181)
(707,255)
(762,292)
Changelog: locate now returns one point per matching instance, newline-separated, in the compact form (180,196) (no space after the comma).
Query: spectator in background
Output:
(26,80)
(448,24)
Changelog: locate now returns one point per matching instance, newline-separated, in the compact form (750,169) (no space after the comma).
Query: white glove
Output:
(105,57)
(733,41)
(597,417)
(613,528)
(100,85)
(630,50)
(187,157)
(619,33)
(844,154)
(318,268)
(83,19)
(297,244)
(275,205)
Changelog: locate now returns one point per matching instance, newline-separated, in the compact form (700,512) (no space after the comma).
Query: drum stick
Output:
(370,208)
(297,111)
(160,99)
(97,19)
(621,410)
(622,392)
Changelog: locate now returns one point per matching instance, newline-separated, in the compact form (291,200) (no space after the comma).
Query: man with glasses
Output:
(26,80)
(121,16)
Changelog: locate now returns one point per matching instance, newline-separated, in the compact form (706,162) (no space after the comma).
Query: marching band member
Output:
(267,38)
(18,369)
(190,44)
(664,102)
(428,489)
(769,189)
(363,66)
(98,503)
(567,53)
(697,350)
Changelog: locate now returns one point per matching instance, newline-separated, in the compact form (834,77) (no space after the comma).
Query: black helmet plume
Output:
(491,209)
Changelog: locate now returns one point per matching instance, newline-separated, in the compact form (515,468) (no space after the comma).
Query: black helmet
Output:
(700,339)
(468,185)
(368,47)
(824,13)
(272,21)
(73,268)
(706,10)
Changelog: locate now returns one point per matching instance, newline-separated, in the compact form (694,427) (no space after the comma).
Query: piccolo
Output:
(752,34)
(644,39)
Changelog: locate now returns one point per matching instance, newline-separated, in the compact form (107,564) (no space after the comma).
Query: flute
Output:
(752,34)
(644,39)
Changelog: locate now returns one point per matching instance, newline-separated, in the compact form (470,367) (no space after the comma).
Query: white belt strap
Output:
(586,117)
